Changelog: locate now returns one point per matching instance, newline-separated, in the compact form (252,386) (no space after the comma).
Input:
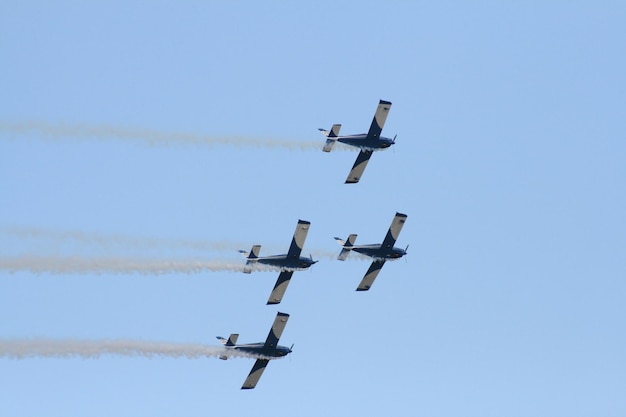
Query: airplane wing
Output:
(297,242)
(394,231)
(370,275)
(279,289)
(277,330)
(255,374)
(379,119)
(359,166)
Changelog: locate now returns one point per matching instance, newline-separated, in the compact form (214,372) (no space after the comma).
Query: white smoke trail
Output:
(148,136)
(142,265)
(109,241)
(76,265)
(50,348)
(332,256)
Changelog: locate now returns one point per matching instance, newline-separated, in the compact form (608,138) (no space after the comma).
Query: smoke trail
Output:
(76,265)
(107,241)
(332,255)
(147,136)
(49,348)
(111,241)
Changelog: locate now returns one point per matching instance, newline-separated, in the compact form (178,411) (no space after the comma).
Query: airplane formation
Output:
(292,261)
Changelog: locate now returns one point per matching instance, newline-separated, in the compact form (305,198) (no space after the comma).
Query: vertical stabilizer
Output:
(232,339)
(254,252)
(251,257)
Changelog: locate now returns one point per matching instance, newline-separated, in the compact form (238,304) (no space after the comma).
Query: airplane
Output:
(367,142)
(288,263)
(268,350)
(380,252)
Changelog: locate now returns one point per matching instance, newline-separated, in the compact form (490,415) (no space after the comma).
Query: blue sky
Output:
(509,164)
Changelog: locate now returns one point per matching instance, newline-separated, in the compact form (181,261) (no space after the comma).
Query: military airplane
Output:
(367,142)
(287,263)
(380,252)
(266,351)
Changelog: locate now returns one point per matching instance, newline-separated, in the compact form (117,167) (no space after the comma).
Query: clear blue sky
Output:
(510,163)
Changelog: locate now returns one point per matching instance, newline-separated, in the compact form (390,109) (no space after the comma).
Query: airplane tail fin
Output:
(232,340)
(331,137)
(346,246)
(251,257)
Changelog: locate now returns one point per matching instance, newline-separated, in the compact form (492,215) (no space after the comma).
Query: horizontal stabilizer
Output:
(343,254)
(331,137)
(333,133)
(347,246)
(231,341)
(253,254)
(328,146)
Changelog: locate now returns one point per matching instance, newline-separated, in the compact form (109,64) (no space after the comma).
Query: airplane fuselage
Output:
(260,349)
(376,251)
(285,262)
(362,141)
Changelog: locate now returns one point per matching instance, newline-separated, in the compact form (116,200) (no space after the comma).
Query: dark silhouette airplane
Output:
(367,142)
(381,252)
(266,351)
(287,263)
